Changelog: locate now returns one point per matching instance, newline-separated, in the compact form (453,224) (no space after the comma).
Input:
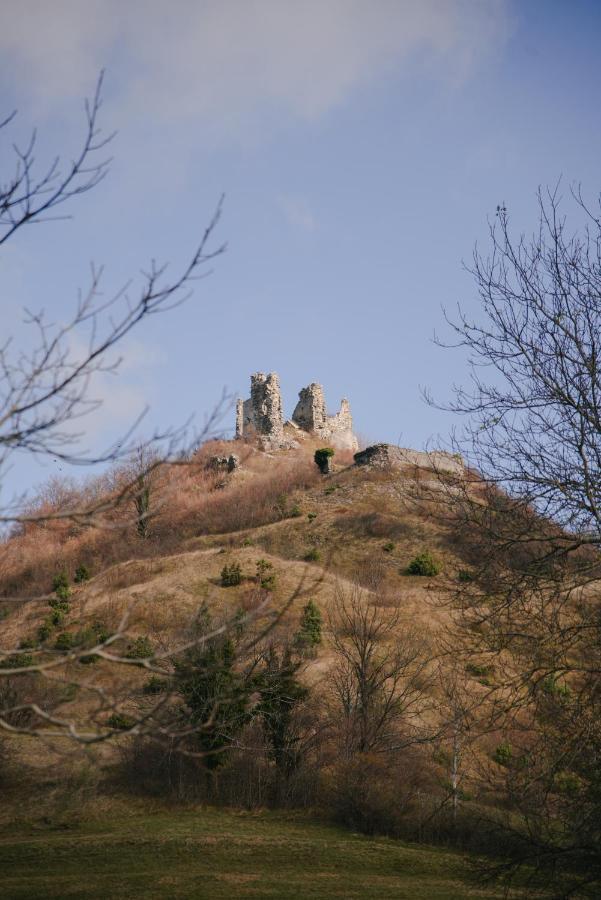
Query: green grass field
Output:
(158,853)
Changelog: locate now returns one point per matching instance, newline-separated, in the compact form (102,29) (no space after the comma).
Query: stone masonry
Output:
(387,456)
(261,416)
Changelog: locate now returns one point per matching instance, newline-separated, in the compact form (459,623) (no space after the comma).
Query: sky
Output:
(362,147)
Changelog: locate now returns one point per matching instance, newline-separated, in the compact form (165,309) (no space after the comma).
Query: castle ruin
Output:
(261,416)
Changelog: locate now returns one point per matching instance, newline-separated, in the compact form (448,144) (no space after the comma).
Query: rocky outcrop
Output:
(261,416)
(387,456)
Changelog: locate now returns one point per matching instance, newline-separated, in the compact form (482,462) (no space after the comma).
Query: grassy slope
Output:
(220,854)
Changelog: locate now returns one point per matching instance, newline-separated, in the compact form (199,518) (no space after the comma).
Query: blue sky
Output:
(361,145)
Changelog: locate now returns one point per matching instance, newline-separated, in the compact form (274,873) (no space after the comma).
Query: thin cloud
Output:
(228,66)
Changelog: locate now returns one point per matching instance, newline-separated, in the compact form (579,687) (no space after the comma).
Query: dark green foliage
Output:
(60,580)
(120,721)
(322,459)
(63,593)
(503,754)
(65,641)
(44,632)
(464,576)
(231,575)
(388,547)
(82,573)
(17,661)
(265,575)
(330,489)
(155,685)
(57,618)
(27,644)
(311,516)
(313,555)
(216,697)
(423,564)
(296,511)
(57,603)
(280,693)
(141,648)
(478,670)
(309,632)
(555,688)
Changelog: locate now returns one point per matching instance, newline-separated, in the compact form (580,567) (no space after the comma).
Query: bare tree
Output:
(45,391)
(379,677)
(527,517)
(45,395)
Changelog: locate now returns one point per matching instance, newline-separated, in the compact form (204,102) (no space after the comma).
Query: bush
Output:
(464,575)
(503,754)
(18,661)
(266,578)
(388,547)
(311,516)
(140,649)
(63,592)
(44,632)
(61,605)
(309,632)
(120,721)
(322,459)
(82,573)
(155,685)
(313,555)
(60,580)
(423,564)
(65,641)
(296,511)
(27,644)
(231,575)
(57,618)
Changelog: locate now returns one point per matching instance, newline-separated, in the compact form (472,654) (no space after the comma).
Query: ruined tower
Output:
(261,416)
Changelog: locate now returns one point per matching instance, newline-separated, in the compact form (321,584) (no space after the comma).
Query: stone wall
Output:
(387,456)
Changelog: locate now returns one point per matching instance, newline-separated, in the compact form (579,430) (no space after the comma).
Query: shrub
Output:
(44,632)
(18,661)
(296,511)
(265,576)
(231,575)
(60,580)
(140,649)
(464,575)
(388,547)
(311,516)
(477,670)
(330,489)
(120,721)
(423,564)
(63,592)
(65,641)
(27,644)
(503,754)
(551,685)
(155,685)
(313,555)
(309,632)
(247,542)
(82,573)
(61,605)
(57,618)
(322,459)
